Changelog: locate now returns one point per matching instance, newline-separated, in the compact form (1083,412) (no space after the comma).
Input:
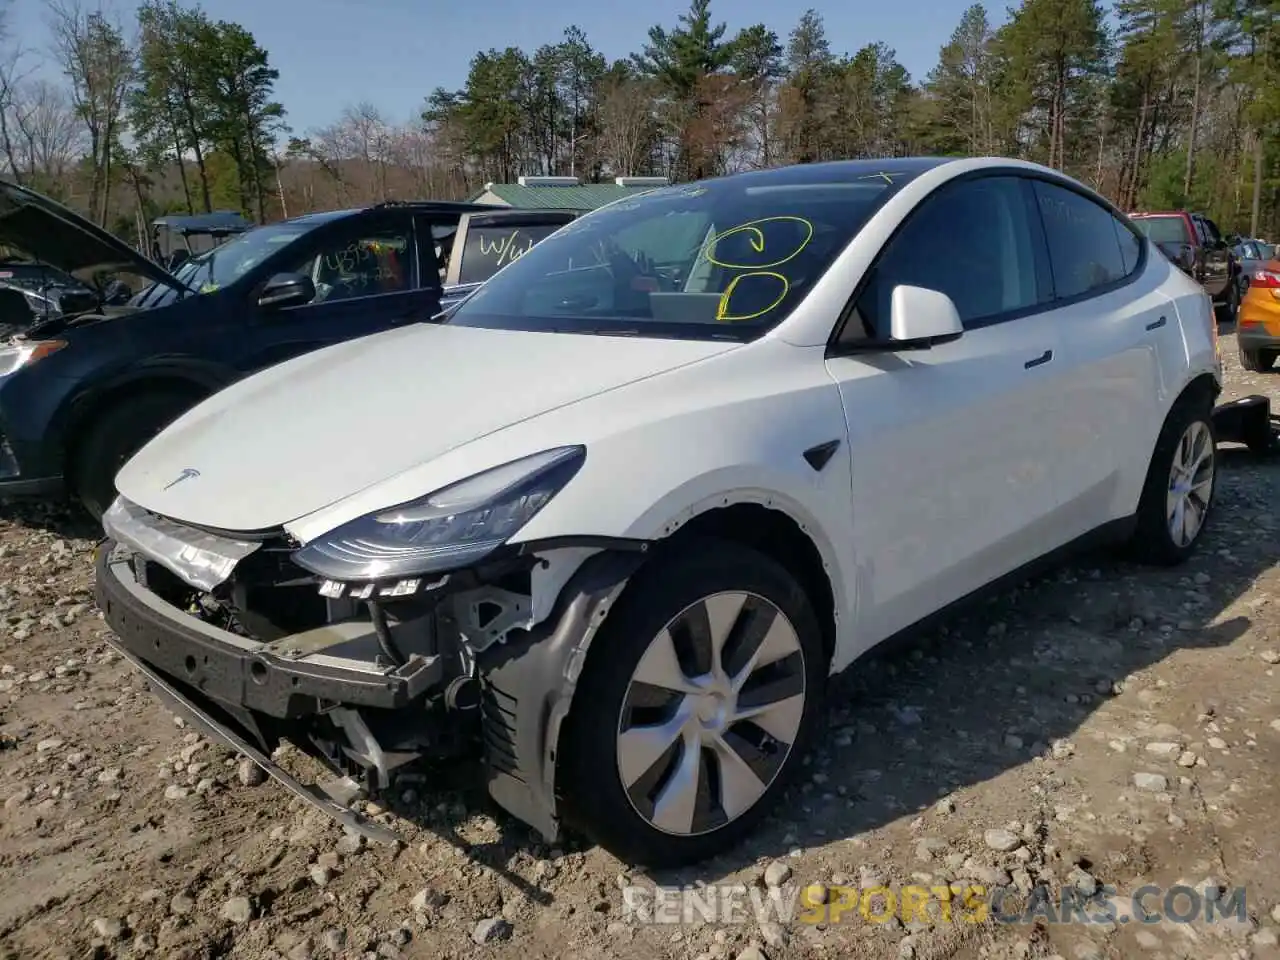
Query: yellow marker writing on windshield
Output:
(722,308)
(755,231)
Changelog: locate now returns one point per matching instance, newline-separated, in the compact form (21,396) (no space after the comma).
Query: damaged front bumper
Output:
(291,677)
(330,690)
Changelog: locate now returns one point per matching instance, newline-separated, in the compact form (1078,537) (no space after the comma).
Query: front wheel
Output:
(699,698)
(1178,494)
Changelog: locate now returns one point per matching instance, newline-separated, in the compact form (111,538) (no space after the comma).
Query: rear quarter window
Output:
(1084,248)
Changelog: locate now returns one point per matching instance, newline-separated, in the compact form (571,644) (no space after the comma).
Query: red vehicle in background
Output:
(1194,243)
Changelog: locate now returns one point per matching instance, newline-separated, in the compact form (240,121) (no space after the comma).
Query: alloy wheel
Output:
(1190,483)
(711,713)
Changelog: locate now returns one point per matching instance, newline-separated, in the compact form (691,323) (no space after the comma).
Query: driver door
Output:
(952,447)
(367,280)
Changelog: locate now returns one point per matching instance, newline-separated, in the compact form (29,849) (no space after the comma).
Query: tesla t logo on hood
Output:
(186,474)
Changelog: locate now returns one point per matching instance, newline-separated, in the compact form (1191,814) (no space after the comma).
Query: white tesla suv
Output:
(613,523)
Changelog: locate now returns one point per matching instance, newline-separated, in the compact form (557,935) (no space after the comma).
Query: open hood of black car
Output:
(48,231)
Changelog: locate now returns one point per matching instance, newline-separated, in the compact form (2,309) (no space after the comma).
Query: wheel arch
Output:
(1203,386)
(530,684)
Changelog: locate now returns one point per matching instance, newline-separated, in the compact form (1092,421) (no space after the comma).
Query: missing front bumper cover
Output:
(325,686)
(289,678)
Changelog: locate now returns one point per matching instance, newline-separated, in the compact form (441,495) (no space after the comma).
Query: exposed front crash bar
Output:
(314,795)
(283,679)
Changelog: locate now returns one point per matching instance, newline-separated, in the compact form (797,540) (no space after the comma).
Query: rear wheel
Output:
(695,710)
(1258,360)
(115,437)
(1178,494)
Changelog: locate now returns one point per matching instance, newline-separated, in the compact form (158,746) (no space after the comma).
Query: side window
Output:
(365,265)
(975,241)
(1084,248)
(489,247)
(1201,232)
(1211,229)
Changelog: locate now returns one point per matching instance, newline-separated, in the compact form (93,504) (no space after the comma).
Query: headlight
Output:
(15,356)
(446,530)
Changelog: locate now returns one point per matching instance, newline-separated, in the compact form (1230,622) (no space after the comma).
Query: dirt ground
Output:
(1107,725)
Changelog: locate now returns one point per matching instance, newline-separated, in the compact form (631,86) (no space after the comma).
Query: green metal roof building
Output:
(563,193)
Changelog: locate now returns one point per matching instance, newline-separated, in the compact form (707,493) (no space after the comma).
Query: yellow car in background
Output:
(1258,323)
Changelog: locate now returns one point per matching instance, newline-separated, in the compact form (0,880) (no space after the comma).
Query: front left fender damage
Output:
(527,686)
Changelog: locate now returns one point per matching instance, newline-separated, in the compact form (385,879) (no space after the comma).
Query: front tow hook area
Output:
(330,797)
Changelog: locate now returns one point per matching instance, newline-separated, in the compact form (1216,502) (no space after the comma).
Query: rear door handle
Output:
(1156,324)
(1040,360)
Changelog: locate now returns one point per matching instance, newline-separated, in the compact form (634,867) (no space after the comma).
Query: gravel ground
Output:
(1107,724)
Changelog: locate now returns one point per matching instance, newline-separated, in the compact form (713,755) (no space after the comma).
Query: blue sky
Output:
(331,53)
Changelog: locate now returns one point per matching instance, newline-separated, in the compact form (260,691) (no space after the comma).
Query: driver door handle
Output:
(1039,361)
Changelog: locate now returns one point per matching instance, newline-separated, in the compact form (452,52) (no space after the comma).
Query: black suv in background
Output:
(81,392)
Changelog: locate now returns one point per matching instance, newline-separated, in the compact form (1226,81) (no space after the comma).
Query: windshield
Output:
(226,263)
(723,258)
(1163,229)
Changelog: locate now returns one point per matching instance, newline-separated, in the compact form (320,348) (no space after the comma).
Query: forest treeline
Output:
(1156,103)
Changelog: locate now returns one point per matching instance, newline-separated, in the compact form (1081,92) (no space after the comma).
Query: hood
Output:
(298,437)
(49,232)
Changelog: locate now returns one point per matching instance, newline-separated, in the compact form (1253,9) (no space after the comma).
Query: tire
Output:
(1258,360)
(671,591)
(1189,422)
(115,437)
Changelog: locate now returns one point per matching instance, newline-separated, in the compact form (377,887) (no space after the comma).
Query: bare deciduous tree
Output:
(99,66)
(45,137)
(626,125)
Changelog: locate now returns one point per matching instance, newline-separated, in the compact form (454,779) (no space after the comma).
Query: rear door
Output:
(367,280)
(1112,320)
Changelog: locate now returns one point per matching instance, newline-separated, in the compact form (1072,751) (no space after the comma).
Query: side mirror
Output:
(71,302)
(1181,255)
(920,317)
(287,290)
